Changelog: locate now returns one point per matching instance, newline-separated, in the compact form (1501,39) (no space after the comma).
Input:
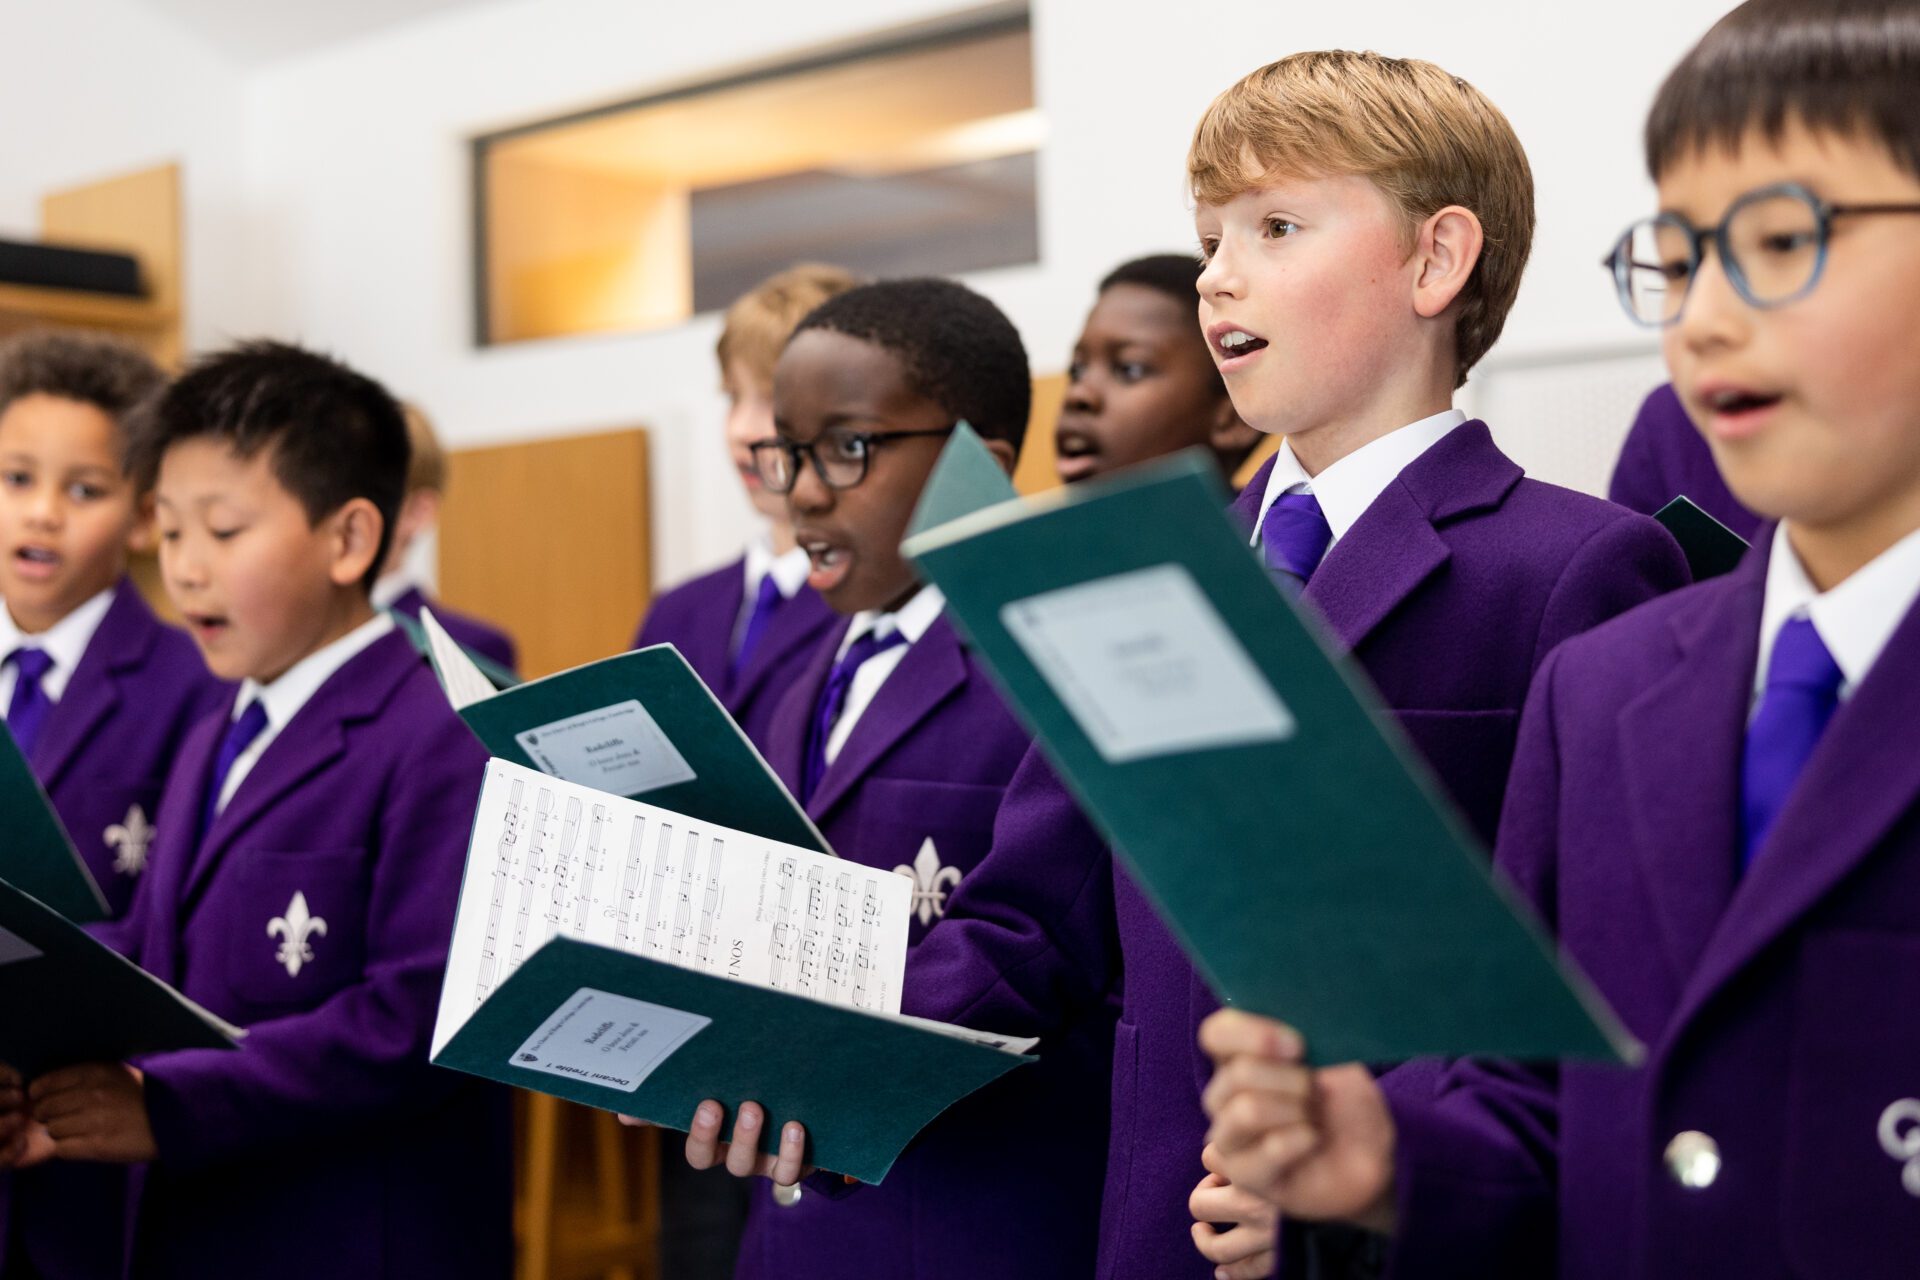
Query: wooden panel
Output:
(549,540)
(138,213)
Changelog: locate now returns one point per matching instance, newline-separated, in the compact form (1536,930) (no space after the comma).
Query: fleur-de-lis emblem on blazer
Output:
(296,931)
(1900,1139)
(931,882)
(129,839)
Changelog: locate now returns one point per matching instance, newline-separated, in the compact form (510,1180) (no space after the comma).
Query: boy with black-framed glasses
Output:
(1715,800)
(899,745)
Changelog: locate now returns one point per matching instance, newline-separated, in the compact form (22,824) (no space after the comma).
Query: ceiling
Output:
(254,31)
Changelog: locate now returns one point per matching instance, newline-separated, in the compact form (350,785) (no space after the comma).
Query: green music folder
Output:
(1293,841)
(68,999)
(624,1033)
(638,724)
(39,856)
(416,633)
(1710,547)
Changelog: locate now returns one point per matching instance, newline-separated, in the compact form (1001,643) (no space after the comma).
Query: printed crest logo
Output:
(931,882)
(130,839)
(529,1057)
(1900,1139)
(296,930)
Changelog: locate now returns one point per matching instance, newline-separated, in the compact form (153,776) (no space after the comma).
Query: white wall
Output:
(355,233)
(93,88)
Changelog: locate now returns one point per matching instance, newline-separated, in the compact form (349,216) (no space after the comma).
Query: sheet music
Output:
(550,858)
(463,680)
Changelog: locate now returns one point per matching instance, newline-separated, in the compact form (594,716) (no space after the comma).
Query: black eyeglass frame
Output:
(1619,261)
(795,450)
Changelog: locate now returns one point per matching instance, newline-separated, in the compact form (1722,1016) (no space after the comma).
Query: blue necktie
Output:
(833,698)
(1295,536)
(1801,694)
(240,736)
(27,712)
(758,621)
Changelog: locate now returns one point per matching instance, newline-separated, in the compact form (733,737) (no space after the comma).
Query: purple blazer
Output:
(326,1145)
(697,618)
(915,789)
(1450,589)
(469,632)
(1776,1007)
(104,753)
(103,758)
(1665,457)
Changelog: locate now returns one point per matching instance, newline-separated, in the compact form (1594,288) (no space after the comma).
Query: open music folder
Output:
(1246,773)
(38,856)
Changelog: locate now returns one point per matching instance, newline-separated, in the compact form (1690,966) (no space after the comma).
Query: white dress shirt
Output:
(911,620)
(65,642)
(789,575)
(295,687)
(1855,619)
(1348,487)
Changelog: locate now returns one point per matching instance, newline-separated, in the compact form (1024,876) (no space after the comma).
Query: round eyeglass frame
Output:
(1619,261)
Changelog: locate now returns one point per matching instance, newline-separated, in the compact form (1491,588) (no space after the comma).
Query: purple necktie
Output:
(1802,692)
(240,736)
(833,698)
(1295,536)
(27,712)
(758,621)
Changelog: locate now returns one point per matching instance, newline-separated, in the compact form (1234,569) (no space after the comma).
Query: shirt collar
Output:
(390,588)
(912,619)
(789,570)
(65,641)
(1348,487)
(284,697)
(1855,618)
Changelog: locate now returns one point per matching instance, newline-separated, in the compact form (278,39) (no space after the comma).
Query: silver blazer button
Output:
(1693,1159)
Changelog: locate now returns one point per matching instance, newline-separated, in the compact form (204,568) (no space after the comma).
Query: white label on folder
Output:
(617,749)
(613,1041)
(1146,665)
(14,948)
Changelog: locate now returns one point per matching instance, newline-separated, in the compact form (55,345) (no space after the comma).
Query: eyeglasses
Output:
(1772,245)
(840,456)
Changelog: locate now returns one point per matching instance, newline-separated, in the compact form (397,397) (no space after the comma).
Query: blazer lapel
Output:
(797,622)
(933,668)
(1862,777)
(1684,781)
(1394,546)
(162,889)
(312,740)
(120,645)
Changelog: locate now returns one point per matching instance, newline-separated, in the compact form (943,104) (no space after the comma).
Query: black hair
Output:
(959,350)
(81,367)
(336,435)
(1174,274)
(1845,66)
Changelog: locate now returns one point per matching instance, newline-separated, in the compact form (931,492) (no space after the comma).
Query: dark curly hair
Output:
(1174,274)
(959,350)
(335,434)
(83,367)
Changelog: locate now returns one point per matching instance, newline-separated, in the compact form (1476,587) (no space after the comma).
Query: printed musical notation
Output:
(551,858)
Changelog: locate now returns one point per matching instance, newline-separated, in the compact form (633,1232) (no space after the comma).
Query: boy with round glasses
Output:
(1715,801)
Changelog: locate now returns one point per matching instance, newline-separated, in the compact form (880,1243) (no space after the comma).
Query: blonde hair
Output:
(1427,139)
(426,461)
(761,320)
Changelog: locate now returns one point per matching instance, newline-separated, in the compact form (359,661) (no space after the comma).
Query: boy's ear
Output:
(353,534)
(1003,453)
(1445,251)
(140,538)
